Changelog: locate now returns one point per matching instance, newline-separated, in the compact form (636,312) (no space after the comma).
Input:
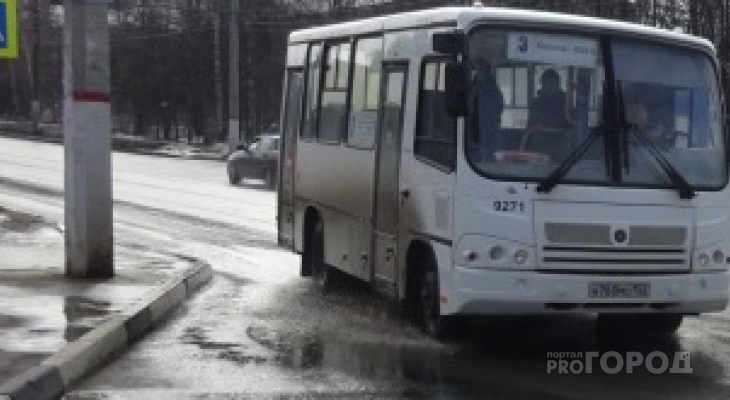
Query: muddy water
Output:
(41,310)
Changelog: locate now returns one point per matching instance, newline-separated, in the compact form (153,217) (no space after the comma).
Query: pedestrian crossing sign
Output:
(8,29)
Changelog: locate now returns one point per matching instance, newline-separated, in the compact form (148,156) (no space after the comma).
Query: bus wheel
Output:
(659,323)
(306,260)
(233,177)
(269,179)
(322,273)
(434,324)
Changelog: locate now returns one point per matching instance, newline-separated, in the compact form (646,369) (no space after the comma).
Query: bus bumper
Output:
(481,291)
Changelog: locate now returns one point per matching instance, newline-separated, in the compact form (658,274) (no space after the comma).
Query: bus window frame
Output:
(326,45)
(426,59)
(353,50)
(305,103)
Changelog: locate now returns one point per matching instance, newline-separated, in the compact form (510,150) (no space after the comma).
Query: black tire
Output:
(305,269)
(660,323)
(233,177)
(323,274)
(433,323)
(633,324)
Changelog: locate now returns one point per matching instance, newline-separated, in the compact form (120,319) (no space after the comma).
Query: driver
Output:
(638,117)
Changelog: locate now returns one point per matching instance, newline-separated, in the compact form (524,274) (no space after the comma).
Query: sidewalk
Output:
(53,330)
(123,143)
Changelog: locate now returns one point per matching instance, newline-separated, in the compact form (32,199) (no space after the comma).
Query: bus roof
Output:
(466,17)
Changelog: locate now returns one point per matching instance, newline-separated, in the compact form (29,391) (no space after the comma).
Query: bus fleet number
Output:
(509,206)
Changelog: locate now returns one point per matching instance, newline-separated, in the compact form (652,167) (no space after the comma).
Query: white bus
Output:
(471,161)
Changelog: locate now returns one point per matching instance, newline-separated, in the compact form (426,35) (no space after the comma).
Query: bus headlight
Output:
(718,257)
(521,256)
(471,256)
(711,258)
(703,260)
(477,251)
(496,253)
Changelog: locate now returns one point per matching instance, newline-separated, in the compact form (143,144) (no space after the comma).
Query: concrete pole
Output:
(234,108)
(87,140)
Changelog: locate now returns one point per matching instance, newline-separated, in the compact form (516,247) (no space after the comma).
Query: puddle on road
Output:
(290,350)
(490,361)
(40,309)
(49,322)
(79,307)
(420,370)
(83,314)
(227,351)
(197,337)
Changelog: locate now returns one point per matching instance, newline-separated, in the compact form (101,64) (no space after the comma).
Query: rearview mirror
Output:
(456,89)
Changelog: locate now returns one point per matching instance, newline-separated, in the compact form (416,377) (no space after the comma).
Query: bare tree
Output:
(166,74)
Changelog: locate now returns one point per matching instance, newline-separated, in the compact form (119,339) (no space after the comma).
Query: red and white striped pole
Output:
(87,140)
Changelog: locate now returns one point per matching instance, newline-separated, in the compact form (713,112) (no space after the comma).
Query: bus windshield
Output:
(538,99)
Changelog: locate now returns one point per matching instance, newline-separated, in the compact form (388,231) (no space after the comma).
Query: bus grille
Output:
(598,247)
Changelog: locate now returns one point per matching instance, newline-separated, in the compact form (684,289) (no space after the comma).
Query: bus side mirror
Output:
(456,89)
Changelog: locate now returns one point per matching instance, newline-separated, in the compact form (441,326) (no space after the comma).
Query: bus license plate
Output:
(619,290)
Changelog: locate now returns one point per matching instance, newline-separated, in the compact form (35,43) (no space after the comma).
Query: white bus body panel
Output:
(337,177)
(465,17)
(515,292)
(338,182)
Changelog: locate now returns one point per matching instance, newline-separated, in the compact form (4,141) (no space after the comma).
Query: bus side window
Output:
(312,100)
(365,93)
(333,110)
(435,139)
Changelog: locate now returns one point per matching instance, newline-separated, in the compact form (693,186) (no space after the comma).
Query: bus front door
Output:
(387,199)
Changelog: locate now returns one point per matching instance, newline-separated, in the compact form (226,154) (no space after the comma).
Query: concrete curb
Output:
(55,375)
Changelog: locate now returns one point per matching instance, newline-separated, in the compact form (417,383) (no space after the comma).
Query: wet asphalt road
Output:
(261,331)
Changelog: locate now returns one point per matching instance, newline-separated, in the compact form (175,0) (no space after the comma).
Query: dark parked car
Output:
(258,159)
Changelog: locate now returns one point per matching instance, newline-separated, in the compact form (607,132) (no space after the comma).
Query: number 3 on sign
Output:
(509,206)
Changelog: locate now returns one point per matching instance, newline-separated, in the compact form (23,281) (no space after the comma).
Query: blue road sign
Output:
(8,29)
(3,25)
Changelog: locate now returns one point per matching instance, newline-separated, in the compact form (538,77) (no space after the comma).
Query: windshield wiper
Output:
(549,183)
(624,126)
(685,190)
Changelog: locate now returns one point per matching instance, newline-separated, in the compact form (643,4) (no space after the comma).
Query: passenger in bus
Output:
(548,110)
(489,104)
(548,122)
